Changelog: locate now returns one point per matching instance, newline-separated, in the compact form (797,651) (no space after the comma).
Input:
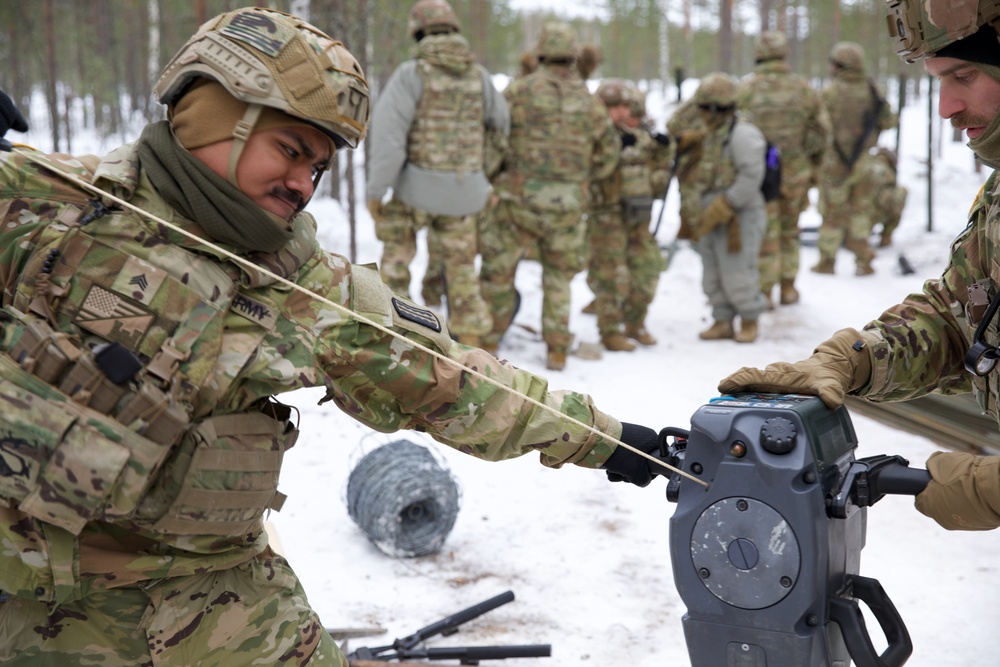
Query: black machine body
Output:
(767,556)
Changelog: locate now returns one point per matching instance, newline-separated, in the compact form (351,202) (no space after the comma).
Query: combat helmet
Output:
(556,42)
(717,93)
(928,28)
(432,16)
(613,92)
(770,45)
(266,58)
(848,56)
(636,100)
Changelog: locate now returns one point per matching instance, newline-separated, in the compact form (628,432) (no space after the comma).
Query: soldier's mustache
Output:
(289,196)
(966,119)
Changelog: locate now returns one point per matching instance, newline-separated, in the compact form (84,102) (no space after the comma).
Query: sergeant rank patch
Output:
(414,313)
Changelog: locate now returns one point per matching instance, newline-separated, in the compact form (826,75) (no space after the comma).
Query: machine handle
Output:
(847,614)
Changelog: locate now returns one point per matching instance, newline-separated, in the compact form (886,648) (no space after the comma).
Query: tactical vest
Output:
(448,131)
(551,128)
(630,185)
(716,171)
(775,98)
(112,372)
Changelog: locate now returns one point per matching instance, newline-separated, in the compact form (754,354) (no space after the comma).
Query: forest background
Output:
(90,65)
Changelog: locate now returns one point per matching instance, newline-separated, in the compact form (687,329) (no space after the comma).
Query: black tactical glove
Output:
(628,139)
(662,139)
(10,119)
(626,466)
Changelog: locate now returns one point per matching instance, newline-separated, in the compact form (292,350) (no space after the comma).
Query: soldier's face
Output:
(969,98)
(276,168)
(618,113)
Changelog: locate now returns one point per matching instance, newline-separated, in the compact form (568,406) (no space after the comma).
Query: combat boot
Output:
(555,360)
(718,331)
(825,265)
(617,342)
(886,240)
(789,294)
(864,269)
(748,332)
(590,308)
(638,333)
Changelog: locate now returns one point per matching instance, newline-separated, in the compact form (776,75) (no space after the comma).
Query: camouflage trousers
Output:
(846,208)
(255,613)
(452,246)
(732,280)
(560,238)
(625,266)
(779,252)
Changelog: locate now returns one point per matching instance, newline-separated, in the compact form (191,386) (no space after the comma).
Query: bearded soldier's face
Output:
(969,98)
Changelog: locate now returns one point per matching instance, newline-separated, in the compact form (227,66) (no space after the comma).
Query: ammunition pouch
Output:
(75,447)
(222,478)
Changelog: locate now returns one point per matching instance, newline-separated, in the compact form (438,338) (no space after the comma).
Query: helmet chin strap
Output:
(241,133)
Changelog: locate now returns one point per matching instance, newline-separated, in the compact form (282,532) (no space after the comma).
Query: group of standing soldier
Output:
(549,171)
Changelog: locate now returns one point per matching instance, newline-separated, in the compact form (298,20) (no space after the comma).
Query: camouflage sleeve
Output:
(607,143)
(818,129)
(887,119)
(918,346)
(390,127)
(388,384)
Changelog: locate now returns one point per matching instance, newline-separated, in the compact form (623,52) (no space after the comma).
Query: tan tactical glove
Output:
(375,208)
(964,492)
(689,139)
(836,367)
(718,212)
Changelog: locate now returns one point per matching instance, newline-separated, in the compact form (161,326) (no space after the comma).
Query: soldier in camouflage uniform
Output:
(792,117)
(625,262)
(153,301)
(858,113)
(731,216)
(926,343)
(560,140)
(890,197)
(428,132)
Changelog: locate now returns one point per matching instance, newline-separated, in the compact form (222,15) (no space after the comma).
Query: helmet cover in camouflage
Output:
(848,56)
(275,60)
(557,40)
(718,90)
(432,13)
(922,28)
(613,92)
(770,45)
(636,100)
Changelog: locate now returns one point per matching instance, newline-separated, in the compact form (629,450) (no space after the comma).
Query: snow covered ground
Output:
(588,560)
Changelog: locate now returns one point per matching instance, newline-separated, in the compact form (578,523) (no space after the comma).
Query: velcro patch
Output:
(260,32)
(414,313)
(114,317)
